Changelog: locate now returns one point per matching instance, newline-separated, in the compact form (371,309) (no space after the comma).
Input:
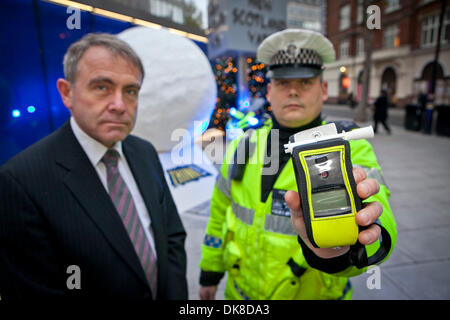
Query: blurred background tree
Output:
(192,15)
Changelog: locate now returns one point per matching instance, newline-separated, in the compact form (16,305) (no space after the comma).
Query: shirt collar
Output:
(93,148)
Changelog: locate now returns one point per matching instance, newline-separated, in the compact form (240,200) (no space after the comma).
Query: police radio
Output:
(326,185)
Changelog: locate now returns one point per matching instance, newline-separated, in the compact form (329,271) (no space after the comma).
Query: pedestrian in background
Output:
(381,111)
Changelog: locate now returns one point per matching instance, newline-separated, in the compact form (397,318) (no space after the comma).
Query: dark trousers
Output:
(385,125)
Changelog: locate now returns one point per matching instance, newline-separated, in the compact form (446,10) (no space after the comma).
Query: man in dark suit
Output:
(86,211)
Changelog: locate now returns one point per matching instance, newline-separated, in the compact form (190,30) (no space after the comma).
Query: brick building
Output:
(403,49)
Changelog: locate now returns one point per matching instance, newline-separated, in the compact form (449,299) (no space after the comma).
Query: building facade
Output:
(403,49)
(307,14)
(168,9)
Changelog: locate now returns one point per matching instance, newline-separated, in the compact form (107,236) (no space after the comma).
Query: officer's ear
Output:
(324,85)
(269,87)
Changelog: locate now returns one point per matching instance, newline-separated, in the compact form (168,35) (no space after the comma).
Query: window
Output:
(177,15)
(360,13)
(344,17)
(343,49)
(165,9)
(392,5)
(424,2)
(300,15)
(360,46)
(430,30)
(391,38)
(154,7)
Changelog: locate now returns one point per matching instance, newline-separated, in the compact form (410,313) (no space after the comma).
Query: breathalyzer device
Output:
(327,188)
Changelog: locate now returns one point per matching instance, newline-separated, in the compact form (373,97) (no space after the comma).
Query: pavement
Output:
(416,169)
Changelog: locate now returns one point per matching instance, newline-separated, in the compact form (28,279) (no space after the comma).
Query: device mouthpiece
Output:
(361,133)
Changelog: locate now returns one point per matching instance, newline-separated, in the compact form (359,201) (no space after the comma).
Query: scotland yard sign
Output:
(240,25)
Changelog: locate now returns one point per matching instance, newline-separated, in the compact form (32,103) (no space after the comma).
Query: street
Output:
(415,167)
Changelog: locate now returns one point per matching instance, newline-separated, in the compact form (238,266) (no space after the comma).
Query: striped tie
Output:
(124,203)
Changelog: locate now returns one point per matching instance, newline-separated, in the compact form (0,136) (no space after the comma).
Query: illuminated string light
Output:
(228,102)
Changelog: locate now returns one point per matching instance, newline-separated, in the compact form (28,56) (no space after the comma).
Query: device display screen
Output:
(328,193)
(330,203)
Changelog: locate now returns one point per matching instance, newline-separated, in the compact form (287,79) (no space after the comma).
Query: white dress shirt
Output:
(95,152)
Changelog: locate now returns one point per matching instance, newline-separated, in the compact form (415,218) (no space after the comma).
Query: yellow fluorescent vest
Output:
(254,246)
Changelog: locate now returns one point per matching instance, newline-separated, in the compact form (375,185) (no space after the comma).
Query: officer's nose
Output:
(293,91)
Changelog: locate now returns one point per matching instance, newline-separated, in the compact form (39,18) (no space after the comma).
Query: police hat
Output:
(295,53)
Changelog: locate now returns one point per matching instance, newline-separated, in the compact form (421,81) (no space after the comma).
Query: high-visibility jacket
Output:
(259,250)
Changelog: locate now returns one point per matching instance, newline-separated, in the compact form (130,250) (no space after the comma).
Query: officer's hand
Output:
(365,217)
(207,293)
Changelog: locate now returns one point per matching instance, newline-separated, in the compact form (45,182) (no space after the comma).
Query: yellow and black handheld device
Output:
(326,186)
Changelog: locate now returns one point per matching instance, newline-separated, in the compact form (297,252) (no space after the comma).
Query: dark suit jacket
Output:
(55,212)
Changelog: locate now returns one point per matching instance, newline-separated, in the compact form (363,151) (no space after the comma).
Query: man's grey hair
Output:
(105,40)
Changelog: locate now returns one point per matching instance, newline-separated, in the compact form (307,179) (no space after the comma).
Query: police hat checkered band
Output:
(297,56)
(296,49)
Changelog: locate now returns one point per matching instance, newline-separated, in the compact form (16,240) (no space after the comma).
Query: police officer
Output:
(256,231)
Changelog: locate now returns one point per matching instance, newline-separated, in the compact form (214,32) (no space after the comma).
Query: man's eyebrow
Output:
(108,80)
(100,79)
(133,85)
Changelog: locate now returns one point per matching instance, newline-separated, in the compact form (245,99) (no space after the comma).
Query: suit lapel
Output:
(85,185)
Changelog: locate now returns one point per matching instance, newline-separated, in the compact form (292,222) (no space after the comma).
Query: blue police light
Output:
(253,121)
(199,129)
(15,113)
(233,111)
(243,99)
(244,104)
(31,109)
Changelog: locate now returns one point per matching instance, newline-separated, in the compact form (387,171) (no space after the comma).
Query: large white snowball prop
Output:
(178,89)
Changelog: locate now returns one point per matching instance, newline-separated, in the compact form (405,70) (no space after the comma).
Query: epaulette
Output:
(344,125)
(244,151)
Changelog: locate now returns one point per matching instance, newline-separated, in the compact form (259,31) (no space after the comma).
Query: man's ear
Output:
(65,90)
